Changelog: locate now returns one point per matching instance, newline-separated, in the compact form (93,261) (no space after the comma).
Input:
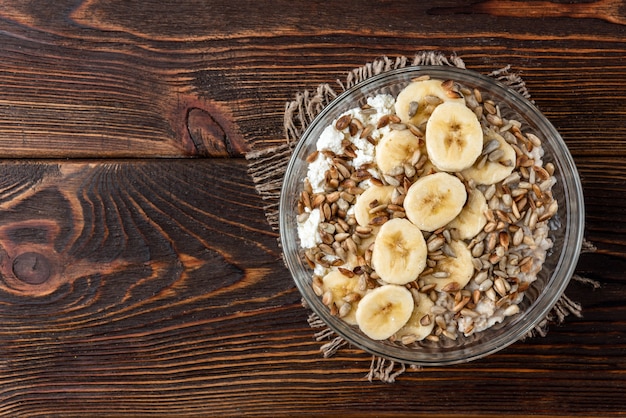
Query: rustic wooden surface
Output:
(140,278)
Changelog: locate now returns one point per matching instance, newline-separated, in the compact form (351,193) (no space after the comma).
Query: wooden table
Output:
(139,276)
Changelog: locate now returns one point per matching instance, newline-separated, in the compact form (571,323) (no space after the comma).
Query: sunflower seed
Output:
(343,122)
(344,309)
(378,208)
(435,244)
(447,250)
(496,155)
(449,334)
(327,298)
(489,107)
(415,130)
(317,286)
(460,305)
(397,126)
(490,146)
(478,249)
(451,287)
(499,286)
(392,181)
(446,235)
(382,122)
(478,264)
(482,161)
(409,170)
(378,220)
(413,107)
(511,310)
(495,120)
(485,285)
(504,239)
(432,100)
(427,288)
(481,277)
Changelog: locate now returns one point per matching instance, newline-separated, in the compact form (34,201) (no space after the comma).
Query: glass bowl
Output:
(566,226)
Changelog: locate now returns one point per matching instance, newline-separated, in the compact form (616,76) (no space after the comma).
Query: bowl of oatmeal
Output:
(431,215)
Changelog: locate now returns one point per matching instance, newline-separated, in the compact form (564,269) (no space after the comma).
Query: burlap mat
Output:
(267,168)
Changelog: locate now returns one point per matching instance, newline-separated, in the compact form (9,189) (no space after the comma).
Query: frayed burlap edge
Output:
(267,168)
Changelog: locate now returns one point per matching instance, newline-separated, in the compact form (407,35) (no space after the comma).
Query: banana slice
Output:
(454,137)
(472,218)
(417,100)
(485,171)
(399,253)
(421,322)
(452,273)
(396,148)
(381,195)
(384,310)
(434,200)
(343,289)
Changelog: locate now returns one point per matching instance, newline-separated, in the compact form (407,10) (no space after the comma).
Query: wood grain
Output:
(613,11)
(140,278)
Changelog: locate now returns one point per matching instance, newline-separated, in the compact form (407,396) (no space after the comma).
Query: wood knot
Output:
(29,262)
(209,137)
(32,268)
(205,128)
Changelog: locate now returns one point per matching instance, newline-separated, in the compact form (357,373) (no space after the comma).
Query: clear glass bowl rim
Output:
(558,280)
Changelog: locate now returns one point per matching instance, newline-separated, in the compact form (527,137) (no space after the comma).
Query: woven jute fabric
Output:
(267,168)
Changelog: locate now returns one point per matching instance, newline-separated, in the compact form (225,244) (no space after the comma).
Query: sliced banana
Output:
(399,253)
(343,290)
(486,171)
(452,273)
(372,196)
(384,310)
(472,218)
(421,322)
(454,137)
(434,200)
(417,100)
(395,149)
